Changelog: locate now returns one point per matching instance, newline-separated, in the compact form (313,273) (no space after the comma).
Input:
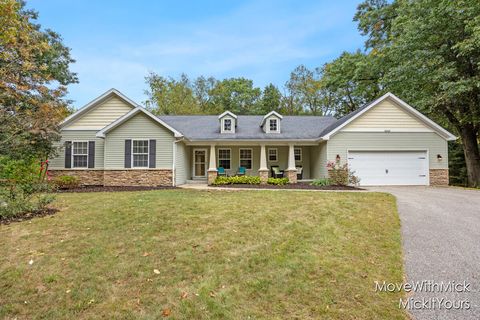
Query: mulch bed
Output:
(304,186)
(110,189)
(29,215)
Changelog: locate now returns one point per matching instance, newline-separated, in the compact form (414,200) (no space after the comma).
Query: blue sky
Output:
(117,43)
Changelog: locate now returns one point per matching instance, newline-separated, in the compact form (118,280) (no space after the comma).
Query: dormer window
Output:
(228,122)
(271,122)
(273,125)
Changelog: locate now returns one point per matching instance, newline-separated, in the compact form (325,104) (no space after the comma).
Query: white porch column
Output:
(212,167)
(263,158)
(291,157)
(213,160)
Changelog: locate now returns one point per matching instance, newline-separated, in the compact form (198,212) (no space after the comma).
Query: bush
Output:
(321,182)
(340,175)
(236,180)
(66,182)
(23,187)
(277,181)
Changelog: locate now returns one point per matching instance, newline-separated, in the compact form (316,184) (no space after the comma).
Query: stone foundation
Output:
(263,174)
(439,177)
(291,175)
(211,176)
(138,177)
(86,177)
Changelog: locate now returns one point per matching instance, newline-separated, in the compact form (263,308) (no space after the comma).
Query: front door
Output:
(199,163)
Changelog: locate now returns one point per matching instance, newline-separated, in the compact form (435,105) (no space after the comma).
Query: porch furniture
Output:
(241,171)
(276,172)
(221,172)
(299,172)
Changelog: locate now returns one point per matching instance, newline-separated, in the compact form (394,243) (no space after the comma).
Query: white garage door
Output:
(376,168)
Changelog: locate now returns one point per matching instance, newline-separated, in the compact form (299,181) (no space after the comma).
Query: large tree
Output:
(34,74)
(237,95)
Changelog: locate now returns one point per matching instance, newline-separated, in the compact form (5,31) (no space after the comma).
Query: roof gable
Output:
(99,112)
(407,116)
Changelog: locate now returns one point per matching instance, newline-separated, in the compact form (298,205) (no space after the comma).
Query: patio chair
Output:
(276,172)
(241,171)
(299,172)
(221,172)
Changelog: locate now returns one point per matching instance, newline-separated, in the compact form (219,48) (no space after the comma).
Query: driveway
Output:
(441,242)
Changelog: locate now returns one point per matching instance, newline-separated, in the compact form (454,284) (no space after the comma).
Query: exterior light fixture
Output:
(439,157)
(337,157)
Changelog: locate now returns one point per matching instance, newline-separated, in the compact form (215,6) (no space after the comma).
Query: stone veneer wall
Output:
(136,177)
(86,177)
(211,176)
(291,175)
(439,177)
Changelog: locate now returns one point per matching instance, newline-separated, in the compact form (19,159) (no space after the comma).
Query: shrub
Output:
(66,182)
(340,175)
(277,181)
(321,182)
(236,180)
(22,187)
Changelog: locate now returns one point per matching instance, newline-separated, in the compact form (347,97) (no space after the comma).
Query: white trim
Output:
(95,101)
(148,153)
(271,113)
(301,153)
(71,156)
(227,113)
(268,123)
(105,130)
(427,151)
(218,157)
(268,154)
(193,162)
(445,134)
(239,157)
(232,125)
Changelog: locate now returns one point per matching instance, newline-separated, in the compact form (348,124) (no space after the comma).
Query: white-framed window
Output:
(298,154)
(246,158)
(79,154)
(224,158)
(273,154)
(273,124)
(140,150)
(227,124)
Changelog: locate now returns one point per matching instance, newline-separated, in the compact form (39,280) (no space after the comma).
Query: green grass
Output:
(220,255)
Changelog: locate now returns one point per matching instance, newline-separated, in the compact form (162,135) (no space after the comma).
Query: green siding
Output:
(318,161)
(58,162)
(181,164)
(138,127)
(358,141)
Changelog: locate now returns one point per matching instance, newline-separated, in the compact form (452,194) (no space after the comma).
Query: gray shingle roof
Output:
(248,127)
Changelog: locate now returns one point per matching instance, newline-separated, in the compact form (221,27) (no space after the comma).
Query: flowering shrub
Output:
(340,175)
(237,180)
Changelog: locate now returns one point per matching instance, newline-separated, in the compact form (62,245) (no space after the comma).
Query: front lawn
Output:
(186,254)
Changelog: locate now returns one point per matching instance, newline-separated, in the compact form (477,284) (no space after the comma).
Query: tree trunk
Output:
(472,154)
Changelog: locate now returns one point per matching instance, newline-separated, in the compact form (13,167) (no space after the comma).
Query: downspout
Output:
(175,159)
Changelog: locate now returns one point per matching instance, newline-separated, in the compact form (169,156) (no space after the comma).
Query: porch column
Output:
(291,170)
(263,170)
(212,168)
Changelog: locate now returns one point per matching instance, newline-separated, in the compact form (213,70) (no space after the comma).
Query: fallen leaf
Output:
(166,312)
(212,294)
(91,301)
(68,291)
(156,271)
(30,262)
(146,254)
(184,295)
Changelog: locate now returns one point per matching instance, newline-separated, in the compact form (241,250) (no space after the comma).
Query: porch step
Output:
(197,181)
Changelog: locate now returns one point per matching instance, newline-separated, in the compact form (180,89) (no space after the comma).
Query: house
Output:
(113,141)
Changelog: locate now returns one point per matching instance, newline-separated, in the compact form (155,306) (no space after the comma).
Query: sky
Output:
(117,43)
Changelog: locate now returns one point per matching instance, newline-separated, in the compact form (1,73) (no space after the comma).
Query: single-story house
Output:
(113,141)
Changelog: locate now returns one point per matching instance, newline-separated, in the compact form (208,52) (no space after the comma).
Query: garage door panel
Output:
(389,167)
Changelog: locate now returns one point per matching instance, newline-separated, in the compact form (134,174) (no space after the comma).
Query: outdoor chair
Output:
(221,172)
(276,172)
(241,171)
(299,172)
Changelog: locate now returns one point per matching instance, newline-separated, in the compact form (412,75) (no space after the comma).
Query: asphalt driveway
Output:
(441,242)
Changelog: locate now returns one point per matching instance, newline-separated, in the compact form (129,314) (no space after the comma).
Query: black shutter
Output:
(128,153)
(68,154)
(152,154)
(91,154)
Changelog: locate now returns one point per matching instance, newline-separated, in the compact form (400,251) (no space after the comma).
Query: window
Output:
(224,158)
(140,153)
(80,154)
(298,154)
(227,124)
(273,125)
(273,155)
(246,158)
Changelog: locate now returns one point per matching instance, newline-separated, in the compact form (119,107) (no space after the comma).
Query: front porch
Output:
(264,160)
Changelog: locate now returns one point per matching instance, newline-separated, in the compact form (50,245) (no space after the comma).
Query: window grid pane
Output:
(80,154)
(227,125)
(298,154)
(246,158)
(224,158)
(80,161)
(140,153)
(273,124)
(272,154)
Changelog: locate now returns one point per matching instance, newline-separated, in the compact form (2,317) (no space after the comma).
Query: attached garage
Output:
(389,167)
